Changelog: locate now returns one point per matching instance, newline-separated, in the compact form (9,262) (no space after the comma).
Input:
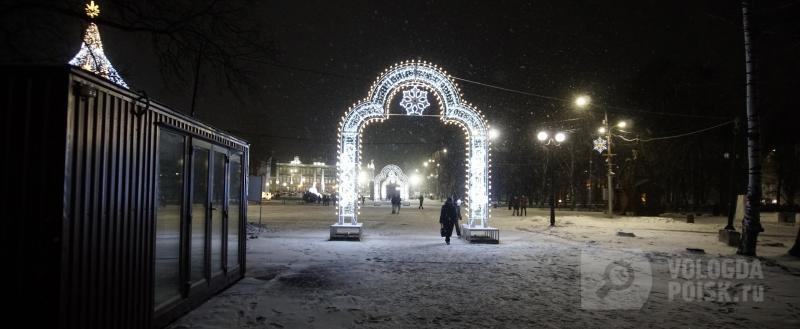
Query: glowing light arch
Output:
(387,173)
(375,108)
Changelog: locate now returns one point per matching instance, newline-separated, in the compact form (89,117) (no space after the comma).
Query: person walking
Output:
(516,206)
(458,217)
(396,204)
(523,205)
(447,218)
(421,199)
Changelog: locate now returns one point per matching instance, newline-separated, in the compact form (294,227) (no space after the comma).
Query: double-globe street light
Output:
(549,141)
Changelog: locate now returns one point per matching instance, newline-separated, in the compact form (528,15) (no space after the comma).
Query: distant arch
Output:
(388,173)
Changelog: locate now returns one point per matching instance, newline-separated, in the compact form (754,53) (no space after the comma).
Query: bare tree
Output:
(751,224)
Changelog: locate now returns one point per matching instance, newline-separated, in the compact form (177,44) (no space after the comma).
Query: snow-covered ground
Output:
(402,275)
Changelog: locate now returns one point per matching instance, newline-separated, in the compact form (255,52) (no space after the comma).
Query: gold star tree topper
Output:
(92,9)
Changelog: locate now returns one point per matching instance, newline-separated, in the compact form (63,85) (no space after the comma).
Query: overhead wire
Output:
(488,85)
(644,140)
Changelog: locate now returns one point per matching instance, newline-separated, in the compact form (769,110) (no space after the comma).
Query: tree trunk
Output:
(572,195)
(751,224)
(795,251)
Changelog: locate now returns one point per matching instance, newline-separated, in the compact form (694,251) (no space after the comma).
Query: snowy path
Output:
(402,275)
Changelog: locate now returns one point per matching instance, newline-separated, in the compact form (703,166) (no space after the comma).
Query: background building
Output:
(297,177)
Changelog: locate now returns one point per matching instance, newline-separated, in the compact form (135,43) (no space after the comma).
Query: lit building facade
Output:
(295,176)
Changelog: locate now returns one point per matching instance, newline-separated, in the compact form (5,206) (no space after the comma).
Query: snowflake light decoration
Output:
(600,145)
(415,101)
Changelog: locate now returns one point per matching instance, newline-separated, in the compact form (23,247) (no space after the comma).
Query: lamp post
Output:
(605,131)
(731,184)
(549,141)
(610,162)
(371,182)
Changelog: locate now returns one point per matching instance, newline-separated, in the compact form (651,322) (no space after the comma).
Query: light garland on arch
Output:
(410,76)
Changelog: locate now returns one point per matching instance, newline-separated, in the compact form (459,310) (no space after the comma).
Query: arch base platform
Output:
(480,234)
(347,231)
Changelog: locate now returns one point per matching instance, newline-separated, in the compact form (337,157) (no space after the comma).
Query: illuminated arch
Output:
(411,75)
(387,173)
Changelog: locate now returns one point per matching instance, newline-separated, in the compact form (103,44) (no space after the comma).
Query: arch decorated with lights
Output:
(391,174)
(415,79)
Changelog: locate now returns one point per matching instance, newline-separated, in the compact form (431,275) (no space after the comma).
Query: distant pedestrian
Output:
(396,203)
(523,205)
(515,204)
(458,217)
(421,199)
(447,219)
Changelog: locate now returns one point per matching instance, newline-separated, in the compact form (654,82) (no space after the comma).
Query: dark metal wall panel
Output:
(106,191)
(83,169)
(31,180)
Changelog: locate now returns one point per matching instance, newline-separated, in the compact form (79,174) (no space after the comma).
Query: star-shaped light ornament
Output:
(600,145)
(415,101)
(92,9)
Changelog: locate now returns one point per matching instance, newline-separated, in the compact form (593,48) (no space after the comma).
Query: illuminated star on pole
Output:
(600,145)
(92,9)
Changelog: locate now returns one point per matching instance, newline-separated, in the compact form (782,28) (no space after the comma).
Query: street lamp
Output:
(494,133)
(606,129)
(415,179)
(582,101)
(550,141)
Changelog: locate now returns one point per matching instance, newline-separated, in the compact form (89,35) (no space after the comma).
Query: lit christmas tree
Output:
(91,56)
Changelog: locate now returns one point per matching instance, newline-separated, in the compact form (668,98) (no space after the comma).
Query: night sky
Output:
(329,53)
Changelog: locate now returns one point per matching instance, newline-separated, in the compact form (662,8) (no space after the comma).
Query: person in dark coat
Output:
(516,206)
(447,218)
(396,203)
(523,205)
(421,199)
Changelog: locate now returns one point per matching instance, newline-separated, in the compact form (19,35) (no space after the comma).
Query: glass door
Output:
(218,210)
(234,209)
(199,212)
(169,201)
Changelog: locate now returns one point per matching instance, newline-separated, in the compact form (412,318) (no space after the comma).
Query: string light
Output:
(91,56)
(411,77)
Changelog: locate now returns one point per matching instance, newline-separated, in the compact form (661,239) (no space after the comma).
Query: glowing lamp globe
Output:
(541,136)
